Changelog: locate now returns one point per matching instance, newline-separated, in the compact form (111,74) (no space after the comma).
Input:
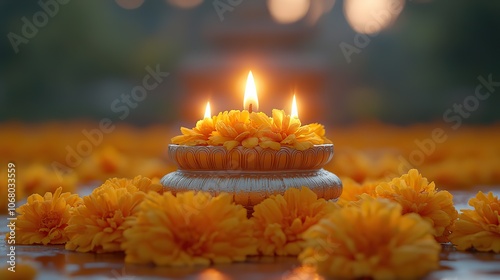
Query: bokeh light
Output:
(288,11)
(370,17)
(212,274)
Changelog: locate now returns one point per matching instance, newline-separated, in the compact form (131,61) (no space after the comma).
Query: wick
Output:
(250,108)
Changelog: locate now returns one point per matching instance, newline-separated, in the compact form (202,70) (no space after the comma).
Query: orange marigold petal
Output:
(195,229)
(281,220)
(398,246)
(479,228)
(42,220)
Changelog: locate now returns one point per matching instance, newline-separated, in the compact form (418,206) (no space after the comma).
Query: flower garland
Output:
(386,230)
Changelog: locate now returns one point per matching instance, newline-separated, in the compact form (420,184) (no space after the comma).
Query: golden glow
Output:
(295,112)
(208,113)
(369,17)
(185,4)
(303,273)
(251,95)
(212,274)
(288,11)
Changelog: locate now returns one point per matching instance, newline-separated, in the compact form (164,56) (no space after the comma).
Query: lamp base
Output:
(251,175)
(251,188)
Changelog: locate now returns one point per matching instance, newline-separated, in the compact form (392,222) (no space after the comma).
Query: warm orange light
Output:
(295,112)
(212,274)
(370,17)
(208,114)
(250,101)
(288,11)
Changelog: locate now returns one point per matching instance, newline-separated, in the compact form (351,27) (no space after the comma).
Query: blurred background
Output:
(94,89)
(395,61)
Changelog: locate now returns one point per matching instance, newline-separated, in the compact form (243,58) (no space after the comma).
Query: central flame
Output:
(295,112)
(250,101)
(208,114)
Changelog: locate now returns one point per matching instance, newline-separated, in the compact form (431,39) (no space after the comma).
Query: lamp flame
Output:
(208,113)
(295,113)
(250,101)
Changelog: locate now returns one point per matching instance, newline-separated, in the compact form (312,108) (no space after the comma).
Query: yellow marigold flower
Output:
(373,240)
(105,162)
(479,228)
(280,220)
(319,130)
(42,219)
(232,129)
(282,129)
(351,190)
(98,224)
(139,183)
(242,128)
(417,195)
(189,229)
(197,136)
(146,185)
(119,183)
(40,178)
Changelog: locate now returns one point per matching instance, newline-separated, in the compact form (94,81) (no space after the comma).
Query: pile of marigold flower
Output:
(385,230)
(242,128)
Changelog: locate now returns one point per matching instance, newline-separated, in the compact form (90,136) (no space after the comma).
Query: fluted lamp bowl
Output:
(251,175)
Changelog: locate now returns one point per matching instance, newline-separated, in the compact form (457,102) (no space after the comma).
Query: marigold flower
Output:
(192,229)
(280,220)
(373,240)
(282,129)
(417,195)
(42,219)
(242,128)
(39,178)
(319,130)
(232,129)
(146,185)
(351,190)
(197,136)
(98,224)
(479,228)
(139,183)
(104,163)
